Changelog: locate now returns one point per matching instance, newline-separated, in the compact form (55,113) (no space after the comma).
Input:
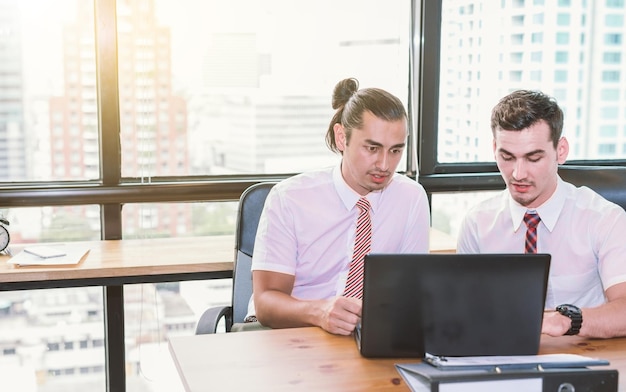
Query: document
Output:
(56,254)
(545,361)
(45,251)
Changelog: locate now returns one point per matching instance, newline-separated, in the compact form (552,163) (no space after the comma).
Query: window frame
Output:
(450,177)
(113,190)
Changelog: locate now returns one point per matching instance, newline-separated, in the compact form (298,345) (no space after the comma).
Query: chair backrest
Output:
(251,205)
(608,181)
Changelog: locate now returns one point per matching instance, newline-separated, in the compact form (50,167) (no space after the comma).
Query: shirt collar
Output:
(348,196)
(548,212)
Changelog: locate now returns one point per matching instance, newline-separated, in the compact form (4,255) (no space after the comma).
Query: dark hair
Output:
(524,108)
(350,103)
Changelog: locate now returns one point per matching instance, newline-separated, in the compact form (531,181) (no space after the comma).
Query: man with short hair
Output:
(581,230)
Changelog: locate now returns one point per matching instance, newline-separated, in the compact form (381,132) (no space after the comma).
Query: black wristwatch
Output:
(574,313)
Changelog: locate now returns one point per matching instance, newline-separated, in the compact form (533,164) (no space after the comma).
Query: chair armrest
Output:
(212,316)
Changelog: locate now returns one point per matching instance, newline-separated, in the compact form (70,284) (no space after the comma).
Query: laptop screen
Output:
(453,304)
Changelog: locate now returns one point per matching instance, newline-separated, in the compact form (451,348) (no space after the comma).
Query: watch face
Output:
(567,309)
(4,238)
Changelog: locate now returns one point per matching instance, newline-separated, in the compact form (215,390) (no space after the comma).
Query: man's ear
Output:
(562,150)
(340,137)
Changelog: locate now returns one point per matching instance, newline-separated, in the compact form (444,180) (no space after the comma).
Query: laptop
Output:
(452,304)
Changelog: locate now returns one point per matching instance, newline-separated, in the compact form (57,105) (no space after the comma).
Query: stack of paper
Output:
(58,254)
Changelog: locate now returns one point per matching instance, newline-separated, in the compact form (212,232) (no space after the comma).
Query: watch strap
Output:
(575,315)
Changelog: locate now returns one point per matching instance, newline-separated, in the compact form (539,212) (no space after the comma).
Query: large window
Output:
(214,87)
(204,87)
(476,38)
(486,49)
(48,100)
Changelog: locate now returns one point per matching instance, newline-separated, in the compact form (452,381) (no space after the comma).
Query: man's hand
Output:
(555,324)
(341,315)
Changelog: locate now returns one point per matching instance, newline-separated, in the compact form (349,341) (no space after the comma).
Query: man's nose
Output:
(519,171)
(383,161)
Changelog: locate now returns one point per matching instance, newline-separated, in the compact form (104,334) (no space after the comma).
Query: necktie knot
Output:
(531,219)
(363,204)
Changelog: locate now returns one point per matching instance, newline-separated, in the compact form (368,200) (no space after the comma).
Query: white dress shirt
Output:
(582,231)
(307,228)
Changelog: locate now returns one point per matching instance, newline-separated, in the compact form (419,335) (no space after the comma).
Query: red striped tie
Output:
(531,220)
(362,246)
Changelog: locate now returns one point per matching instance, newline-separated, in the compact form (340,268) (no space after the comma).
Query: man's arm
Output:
(605,321)
(276,308)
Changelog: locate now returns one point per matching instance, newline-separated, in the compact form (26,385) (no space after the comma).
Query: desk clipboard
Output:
(422,377)
(545,361)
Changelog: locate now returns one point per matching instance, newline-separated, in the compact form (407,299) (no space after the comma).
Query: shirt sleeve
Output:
(275,243)
(611,248)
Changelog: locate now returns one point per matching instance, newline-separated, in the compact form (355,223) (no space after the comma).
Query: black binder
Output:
(423,377)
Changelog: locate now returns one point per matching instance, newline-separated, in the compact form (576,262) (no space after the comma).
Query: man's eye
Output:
(534,159)
(372,148)
(507,158)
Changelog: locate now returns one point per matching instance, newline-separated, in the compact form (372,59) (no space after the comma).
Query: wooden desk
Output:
(309,359)
(128,261)
(112,264)
(146,261)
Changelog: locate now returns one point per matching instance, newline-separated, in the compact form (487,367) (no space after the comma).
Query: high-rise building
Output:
(153,119)
(13,163)
(572,50)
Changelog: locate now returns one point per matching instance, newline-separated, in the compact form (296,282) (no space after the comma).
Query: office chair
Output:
(608,181)
(251,204)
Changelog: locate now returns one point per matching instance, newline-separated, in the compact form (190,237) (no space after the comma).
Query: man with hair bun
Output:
(305,242)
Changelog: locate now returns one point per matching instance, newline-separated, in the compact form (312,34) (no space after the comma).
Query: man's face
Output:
(372,155)
(528,162)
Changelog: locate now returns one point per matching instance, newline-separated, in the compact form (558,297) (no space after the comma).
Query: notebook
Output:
(452,304)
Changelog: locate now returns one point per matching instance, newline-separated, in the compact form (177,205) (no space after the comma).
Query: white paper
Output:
(513,385)
(46,251)
(73,255)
